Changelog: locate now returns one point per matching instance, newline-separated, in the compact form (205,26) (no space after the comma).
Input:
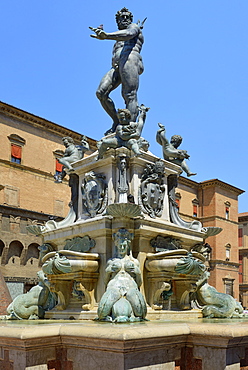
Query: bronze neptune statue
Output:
(126,65)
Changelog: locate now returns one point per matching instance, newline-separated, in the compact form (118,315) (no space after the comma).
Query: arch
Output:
(15,251)
(1,247)
(32,256)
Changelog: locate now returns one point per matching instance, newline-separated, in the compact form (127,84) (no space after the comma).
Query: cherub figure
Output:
(128,133)
(72,154)
(170,151)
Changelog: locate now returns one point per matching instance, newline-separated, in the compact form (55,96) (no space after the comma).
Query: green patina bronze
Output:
(122,301)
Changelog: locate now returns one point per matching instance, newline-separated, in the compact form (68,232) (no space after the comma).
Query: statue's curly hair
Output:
(70,139)
(123,10)
(177,138)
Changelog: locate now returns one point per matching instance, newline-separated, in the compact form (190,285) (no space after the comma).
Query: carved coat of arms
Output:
(94,194)
(152,189)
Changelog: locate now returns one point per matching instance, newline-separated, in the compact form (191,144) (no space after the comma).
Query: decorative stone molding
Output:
(195,201)
(16,139)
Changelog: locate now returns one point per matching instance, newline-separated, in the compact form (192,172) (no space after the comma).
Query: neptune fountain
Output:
(123,253)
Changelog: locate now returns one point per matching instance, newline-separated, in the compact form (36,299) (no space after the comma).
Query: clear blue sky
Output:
(195,80)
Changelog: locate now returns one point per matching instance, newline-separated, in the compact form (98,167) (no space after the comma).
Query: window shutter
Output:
(59,166)
(16,151)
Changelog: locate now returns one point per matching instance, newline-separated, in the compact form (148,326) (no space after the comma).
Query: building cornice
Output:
(221,184)
(187,182)
(188,217)
(209,183)
(243,217)
(206,219)
(42,123)
(219,218)
(225,263)
(26,213)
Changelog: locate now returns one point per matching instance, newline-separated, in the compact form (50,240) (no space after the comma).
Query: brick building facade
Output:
(28,193)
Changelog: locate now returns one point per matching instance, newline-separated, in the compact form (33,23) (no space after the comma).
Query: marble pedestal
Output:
(157,345)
